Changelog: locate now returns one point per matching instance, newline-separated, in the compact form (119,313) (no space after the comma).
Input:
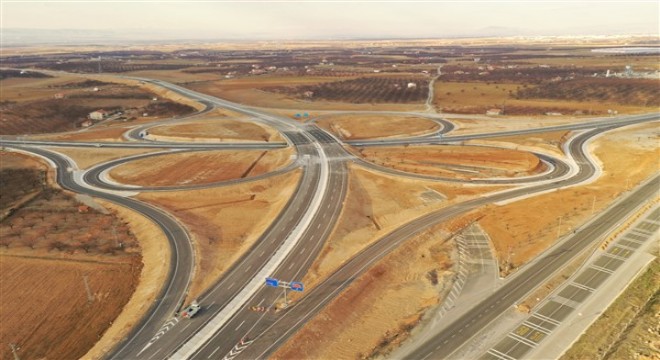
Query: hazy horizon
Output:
(79,22)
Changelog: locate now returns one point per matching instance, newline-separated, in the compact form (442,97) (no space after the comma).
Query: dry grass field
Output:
(478,97)
(355,127)
(88,157)
(518,240)
(194,167)
(385,303)
(215,129)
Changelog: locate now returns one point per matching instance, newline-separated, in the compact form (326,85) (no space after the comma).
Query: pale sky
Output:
(335,19)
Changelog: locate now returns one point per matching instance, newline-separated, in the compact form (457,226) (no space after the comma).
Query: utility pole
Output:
(90,296)
(593,205)
(559,227)
(13,351)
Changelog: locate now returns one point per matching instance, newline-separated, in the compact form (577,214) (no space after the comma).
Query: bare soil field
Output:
(200,167)
(461,162)
(225,221)
(88,157)
(516,240)
(354,127)
(480,124)
(68,270)
(46,310)
(105,134)
(216,129)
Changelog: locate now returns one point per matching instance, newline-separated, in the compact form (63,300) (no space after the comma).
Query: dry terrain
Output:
(478,124)
(254,91)
(68,269)
(516,240)
(103,132)
(385,303)
(476,98)
(354,127)
(376,204)
(195,167)
(461,162)
(629,328)
(33,106)
(547,143)
(88,157)
(225,221)
(215,129)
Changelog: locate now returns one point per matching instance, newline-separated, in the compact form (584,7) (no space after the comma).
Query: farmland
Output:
(64,105)
(67,268)
(364,90)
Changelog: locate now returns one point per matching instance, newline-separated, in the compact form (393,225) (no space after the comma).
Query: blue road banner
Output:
(296,286)
(272,282)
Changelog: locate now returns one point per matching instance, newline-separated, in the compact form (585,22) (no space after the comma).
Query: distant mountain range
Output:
(17,37)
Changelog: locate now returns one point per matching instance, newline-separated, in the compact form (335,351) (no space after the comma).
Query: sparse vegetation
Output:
(364,90)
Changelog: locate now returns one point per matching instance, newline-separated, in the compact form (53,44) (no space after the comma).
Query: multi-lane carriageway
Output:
(316,149)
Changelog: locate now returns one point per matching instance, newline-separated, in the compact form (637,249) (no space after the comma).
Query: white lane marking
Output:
(239,325)
(185,327)
(213,353)
(232,285)
(154,354)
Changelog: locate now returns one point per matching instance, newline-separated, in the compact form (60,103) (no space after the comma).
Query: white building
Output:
(98,114)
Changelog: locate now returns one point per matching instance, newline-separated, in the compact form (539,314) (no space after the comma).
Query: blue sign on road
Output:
(306,115)
(296,286)
(272,282)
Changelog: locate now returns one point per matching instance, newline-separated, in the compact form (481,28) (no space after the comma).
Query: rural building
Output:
(412,85)
(86,123)
(308,94)
(98,114)
(553,113)
(494,112)
(59,96)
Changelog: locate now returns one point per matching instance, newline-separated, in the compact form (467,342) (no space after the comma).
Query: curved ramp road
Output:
(282,327)
(175,288)
(294,239)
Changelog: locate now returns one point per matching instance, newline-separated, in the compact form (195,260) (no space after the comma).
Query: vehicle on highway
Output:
(191,310)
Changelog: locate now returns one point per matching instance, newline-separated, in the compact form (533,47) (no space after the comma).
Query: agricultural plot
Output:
(64,106)
(364,90)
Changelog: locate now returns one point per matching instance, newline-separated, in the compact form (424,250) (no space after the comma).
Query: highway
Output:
(461,330)
(318,198)
(290,321)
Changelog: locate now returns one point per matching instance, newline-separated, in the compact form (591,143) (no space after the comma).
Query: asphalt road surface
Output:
(267,331)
